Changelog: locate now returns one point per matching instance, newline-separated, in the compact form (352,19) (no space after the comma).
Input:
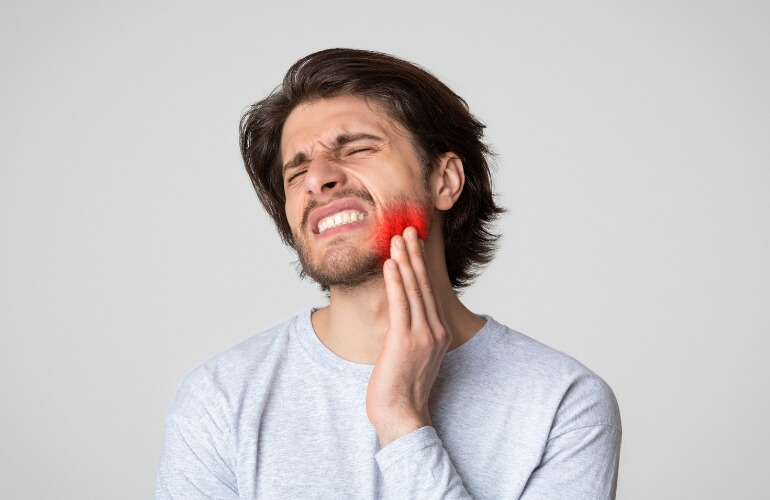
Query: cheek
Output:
(394,220)
(293,215)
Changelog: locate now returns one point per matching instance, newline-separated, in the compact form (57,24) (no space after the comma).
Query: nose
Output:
(323,176)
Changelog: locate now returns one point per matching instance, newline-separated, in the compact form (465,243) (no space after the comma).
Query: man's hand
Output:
(415,343)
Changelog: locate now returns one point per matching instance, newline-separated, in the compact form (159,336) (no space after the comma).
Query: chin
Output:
(340,266)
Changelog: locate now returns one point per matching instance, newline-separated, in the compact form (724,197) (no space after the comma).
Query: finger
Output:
(412,288)
(416,253)
(398,304)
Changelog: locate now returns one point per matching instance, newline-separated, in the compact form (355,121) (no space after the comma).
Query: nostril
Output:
(330,184)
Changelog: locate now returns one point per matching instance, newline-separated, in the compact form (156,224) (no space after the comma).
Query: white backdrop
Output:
(634,157)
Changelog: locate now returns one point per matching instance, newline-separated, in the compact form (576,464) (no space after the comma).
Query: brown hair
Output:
(438,119)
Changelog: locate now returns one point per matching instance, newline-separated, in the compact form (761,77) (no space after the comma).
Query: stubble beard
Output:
(344,265)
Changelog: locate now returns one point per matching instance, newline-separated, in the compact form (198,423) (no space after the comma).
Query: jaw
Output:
(337,260)
(396,219)
(349,254)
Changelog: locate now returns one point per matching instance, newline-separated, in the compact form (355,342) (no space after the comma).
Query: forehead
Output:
(324,119)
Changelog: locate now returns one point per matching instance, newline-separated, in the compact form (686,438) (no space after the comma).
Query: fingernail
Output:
(411,234)
(391,264)
(400,243)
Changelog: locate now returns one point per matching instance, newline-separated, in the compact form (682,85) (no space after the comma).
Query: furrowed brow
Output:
(344,139)
(341,140)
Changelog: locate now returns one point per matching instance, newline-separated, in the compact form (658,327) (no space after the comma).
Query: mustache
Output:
(342,193)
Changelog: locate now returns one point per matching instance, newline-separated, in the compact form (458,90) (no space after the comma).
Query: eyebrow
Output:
(340,141)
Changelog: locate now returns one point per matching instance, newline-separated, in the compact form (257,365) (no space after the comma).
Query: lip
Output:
(333,208)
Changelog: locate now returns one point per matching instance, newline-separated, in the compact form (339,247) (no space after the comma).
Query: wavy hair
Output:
(438,119)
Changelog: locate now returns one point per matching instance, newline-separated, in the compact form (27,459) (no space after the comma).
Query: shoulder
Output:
(574,395)
(221,382)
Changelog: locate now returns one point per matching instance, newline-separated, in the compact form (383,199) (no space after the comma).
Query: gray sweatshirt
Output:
(281,416)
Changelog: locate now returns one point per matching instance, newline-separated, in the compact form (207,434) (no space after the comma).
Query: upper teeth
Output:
(338,219)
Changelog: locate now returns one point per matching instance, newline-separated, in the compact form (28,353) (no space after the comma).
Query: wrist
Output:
(389,430)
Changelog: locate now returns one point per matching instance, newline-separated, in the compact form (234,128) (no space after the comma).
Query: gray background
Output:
(634,146)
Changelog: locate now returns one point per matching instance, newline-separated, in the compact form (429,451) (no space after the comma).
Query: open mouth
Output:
(340,219)
(337,214)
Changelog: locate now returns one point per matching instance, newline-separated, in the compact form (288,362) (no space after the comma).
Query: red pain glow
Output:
(394,220)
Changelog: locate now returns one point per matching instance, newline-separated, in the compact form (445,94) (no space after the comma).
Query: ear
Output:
(447,181)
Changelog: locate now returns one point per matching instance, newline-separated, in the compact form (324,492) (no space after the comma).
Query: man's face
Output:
(346,168)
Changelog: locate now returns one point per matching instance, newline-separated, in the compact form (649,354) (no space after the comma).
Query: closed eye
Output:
(296,174)
(358,150)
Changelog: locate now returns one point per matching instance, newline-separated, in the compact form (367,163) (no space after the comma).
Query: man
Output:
(376,173)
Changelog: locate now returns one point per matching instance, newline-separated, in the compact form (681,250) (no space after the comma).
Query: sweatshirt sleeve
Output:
(195,459)
(417,466)
(582,453)
(192,463)
(580,464)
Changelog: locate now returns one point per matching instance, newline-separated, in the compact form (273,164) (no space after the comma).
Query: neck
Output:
(355,322)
